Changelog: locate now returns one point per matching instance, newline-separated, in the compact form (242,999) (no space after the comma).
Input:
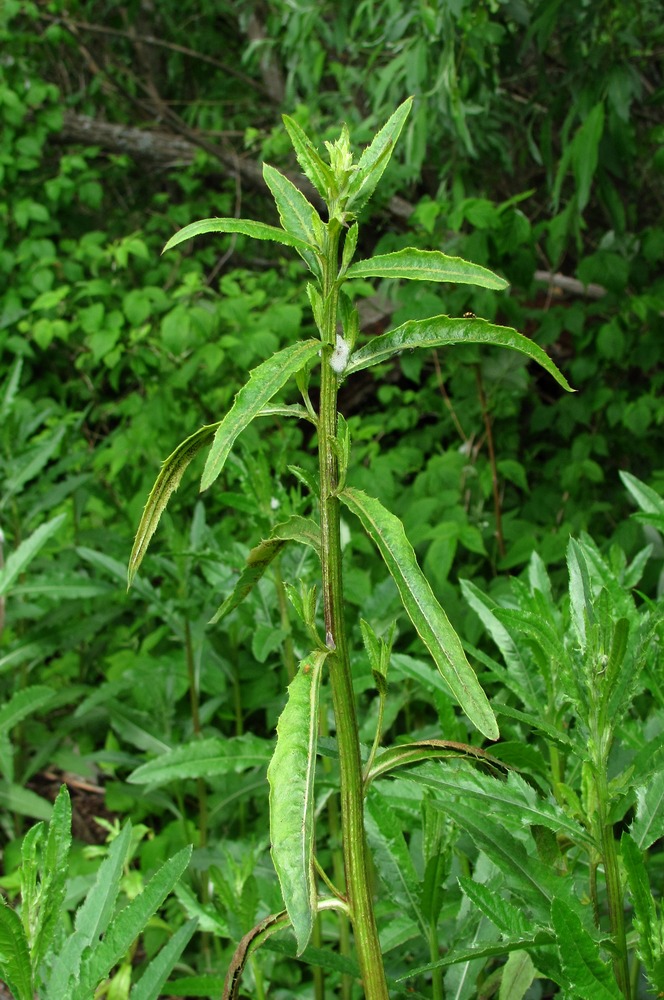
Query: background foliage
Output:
(536,148)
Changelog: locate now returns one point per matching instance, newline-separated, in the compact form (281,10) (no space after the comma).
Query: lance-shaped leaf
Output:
(426,265)
(406,754)
(296,528)
(296,213)
(313,165)
(439,331)
(375,158)
(646,925)
(245,227)
(204,759)
(21,558)
(166,484)
(264,382)
(291,776)
(423,609)
(128,924)
(587,974)
(15,966)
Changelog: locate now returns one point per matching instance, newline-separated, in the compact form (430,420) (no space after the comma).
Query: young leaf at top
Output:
(313,165)
(264,382)
(423,609)
(438,331)
(166,484)
(426,265)
(246,227)
(291,776)
(375,158)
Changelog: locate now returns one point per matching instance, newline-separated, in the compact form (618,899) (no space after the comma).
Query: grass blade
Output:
(291,776)
(264,382)
(423,609)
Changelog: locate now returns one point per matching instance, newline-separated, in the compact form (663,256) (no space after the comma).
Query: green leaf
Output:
(23,703)
(580,591)
(493,949)
(313,165)
(25,802)
(204,759)
(375,158)
(296,528)
(438,331)
(291,776)
(166,484)
(423,609)
(645,920)
(587,974)
(264,382)
(128,924)
(18,561)
(54,866)
(518,975)
(426,265)
(648,825)
(92,918)
(149,985)
(295,212)
(503,914)
(647,499)
(392,858)
(246,227)
(15,967)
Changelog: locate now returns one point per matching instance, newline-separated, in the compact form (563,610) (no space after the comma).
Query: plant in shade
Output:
(344,185)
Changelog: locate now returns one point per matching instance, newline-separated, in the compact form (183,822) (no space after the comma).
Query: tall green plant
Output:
(328,249)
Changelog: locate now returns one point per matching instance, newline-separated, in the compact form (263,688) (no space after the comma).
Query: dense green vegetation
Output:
(534,148)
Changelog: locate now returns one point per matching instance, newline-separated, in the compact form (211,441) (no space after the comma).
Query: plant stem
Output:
(350,763)
(614,893)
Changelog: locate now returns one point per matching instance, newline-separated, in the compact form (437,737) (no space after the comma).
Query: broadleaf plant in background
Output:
(327,248)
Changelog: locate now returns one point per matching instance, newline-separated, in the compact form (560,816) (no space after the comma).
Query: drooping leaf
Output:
(204,759)
(15,968)
(264,382)
(246,227)
(19,560)
(128,924)
(423,609)
(438,331)
(375,158)
(588,975)
(149,986)
(406,754)
(426,265)
(166,484)
(291,776)
(296,528)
